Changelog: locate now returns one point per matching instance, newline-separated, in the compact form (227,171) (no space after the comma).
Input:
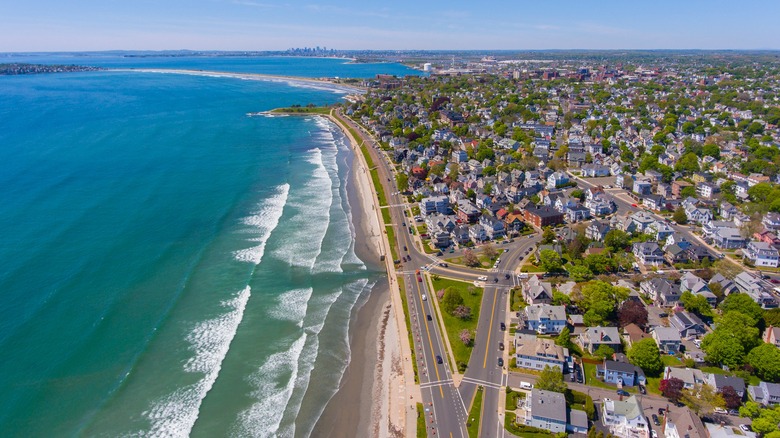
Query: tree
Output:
(731,399)
(772,317)
(679,216)
(616,240)
(489,250)
(470,259)
(560,299)
(604,351)
(564,338)
(632,312)
(551,379)
(645,355)
(548,235)
(462,312)
(671,388)
(688,192)
(750,409)
(720,348)
(765,360)
(580,273)
(599,299)
(702,399)
(742,303)
(466,337)
(451,300)
(697,304)
(550,261)
(760,192)
(688,163)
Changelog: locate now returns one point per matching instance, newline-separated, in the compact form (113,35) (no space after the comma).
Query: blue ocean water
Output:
(169,265)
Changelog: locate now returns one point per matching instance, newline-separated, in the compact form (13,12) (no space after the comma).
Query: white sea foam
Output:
(175,414)
(263,222)
(292,305)
(274,383)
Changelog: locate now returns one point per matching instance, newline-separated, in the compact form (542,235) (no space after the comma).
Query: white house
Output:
(625,418)
(762,254)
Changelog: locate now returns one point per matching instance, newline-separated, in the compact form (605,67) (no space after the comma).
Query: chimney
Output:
(602,336)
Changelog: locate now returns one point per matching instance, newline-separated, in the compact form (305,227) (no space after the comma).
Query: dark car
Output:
(443,265)
(405,248)
(656,421)
(506,276)
(642,390)
(429,317)
(623,392)
(501,346)
(579,377)
(503,326)
(438,359)
(500,361)
(661,411)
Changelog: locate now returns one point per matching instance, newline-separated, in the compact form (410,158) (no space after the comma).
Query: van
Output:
(526,385)
(522,275)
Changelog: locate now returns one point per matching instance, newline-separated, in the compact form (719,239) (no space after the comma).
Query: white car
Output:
(482,278)
(424,298)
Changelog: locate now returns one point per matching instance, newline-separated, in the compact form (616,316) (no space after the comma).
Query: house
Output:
(728,238)
(690,376)
(707,190)
(435,204)
(546,410)
(762,254)
(661,230)
(577,213)
(594,337)
(662,291)
(620,373)
(683,423)
(753,286)
(677,187)
(460,234)
(467,212)
(513,222)
(668,339)
(440,238)
(765,393)
(632,333)
(726,285)
(675,254)
(648,253)
(720,381)
(493,227)
(625,418)
(687,324)
(535,353)
(536,291)
(689,282)
(477,233)
(654,202)
(642,187)
(543,216)
(772,336)
(771,221)
(545,319)
(597,230)
(557,179)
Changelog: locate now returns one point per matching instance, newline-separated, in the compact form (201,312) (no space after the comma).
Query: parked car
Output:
(744,427)
(501,346)
(503,326)
(642,389)
(482,278)
(623,393)
(656,421)
(405,248)
(500,361)
(661,411)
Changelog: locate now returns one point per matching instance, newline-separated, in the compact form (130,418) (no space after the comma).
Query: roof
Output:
(531,346)
(602,335)
(684,319)
(548,404)
(721,381)
(666,334)
(686,423)
(629,408)
(622,367)
(535,312)
(578,418)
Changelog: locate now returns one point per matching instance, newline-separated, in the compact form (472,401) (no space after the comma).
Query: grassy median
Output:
(408,320)
(475,414)
(472,297)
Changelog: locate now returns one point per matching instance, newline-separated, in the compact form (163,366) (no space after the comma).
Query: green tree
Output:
(688,192)
(600,299)
(616,240)
(732,338)
(750,409)
(551,379)
(550,261)
(645,355)
(564,338)
(548,235)
(772,317)
(604,351)
(765,360)
(702,399)
(742,303)
(760,192)
(451,300)
(560,299)
(688,163)
(697,304)
(580,273)
(711,150)
(402,181)
(679,216)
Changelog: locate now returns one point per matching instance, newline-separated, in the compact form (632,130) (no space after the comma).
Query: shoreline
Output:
(249,76)
(364,404)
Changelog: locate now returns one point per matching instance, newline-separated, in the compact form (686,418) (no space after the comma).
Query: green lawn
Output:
(386,216)
(408,326)
(459,261)
(422,428)
(517,302)
(391,239)
(671,361)
(653,385)
(472,423)
(455,325)
(511,400)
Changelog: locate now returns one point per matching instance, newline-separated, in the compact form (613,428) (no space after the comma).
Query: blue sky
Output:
(70,25)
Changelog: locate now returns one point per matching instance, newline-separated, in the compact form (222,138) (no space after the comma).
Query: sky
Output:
(82,25)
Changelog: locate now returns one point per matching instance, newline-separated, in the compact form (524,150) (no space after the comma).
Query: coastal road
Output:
(445,411)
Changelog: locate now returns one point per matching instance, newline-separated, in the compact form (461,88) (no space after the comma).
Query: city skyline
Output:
(348,25)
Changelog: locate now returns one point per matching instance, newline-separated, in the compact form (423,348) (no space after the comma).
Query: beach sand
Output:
(363,405)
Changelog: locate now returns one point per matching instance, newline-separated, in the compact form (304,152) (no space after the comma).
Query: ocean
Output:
(169,265)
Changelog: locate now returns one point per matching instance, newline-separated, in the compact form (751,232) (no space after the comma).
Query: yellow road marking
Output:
(490,328)
(428,330)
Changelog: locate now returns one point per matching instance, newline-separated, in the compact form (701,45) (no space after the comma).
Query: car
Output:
(443,265)
(642,390)
(656,421)
(419,280)
(501,346)
(500,361)
(506,276)
(502,326)
(403,224)
(654,434)
(633,205)
(661,411)
(774,280)
(623,392)
(439,359)
(579,377)
(697,342)
(721,411)
(663,315)
(405,248)
(482,278)
(428,317)
(495,279)
(744,427)
(424,298)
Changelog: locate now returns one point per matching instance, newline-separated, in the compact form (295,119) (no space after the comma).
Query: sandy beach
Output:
(364,402)
(292,80)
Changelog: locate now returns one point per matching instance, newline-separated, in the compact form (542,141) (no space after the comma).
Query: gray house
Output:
(765,393)
(547,410)
(687,324)
(545,319)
